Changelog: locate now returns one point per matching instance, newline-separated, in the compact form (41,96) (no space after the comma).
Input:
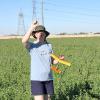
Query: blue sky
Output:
(70,16)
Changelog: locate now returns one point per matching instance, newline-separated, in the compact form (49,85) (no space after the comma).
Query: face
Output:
(40,36)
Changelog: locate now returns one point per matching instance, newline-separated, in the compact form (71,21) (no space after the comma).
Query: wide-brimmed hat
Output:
(40,28)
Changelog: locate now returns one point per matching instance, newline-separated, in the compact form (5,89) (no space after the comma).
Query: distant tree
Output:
(97,33)
(63,33)
(75,33)
(83,33)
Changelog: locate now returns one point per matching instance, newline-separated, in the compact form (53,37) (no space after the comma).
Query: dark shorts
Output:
(42,87)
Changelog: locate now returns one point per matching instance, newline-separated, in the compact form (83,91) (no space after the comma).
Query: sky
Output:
(68,16)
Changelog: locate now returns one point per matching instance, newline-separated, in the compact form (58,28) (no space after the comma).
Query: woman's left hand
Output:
(61,57)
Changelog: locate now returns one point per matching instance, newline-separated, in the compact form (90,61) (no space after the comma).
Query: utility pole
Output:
(21,25)
(42,13)
(34,17)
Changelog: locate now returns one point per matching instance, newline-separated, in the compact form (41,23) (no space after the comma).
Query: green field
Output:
(81,81)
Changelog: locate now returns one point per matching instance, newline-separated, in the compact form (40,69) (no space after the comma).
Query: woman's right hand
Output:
(33,25)
(29,32)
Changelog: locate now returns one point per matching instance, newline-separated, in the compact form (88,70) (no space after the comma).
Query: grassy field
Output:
(81,81)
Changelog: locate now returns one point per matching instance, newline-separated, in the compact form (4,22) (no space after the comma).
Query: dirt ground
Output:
(53,36)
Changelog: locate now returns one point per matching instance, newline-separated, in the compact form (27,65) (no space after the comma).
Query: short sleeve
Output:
(50,45)
(29,46)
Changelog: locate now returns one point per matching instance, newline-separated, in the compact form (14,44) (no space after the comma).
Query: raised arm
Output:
(25,39)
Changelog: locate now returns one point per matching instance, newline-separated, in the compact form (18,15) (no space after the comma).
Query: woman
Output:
(40,50)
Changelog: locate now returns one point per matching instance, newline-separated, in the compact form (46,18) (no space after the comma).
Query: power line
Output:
(70,5)
(66,20)
(68,11)
(45,10)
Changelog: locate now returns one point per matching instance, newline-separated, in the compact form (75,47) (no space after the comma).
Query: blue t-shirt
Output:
(40,61)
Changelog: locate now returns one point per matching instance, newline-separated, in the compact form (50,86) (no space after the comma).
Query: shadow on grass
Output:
(75,92)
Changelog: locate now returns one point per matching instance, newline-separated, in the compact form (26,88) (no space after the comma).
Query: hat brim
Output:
(46,32)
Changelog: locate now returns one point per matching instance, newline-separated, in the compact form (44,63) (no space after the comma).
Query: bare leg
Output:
(47,97)
(39,97)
